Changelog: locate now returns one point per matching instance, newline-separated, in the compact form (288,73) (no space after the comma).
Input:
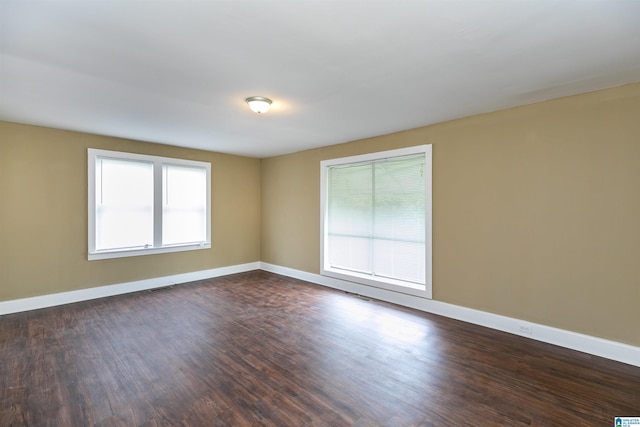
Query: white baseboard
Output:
(585,343)
(44,301)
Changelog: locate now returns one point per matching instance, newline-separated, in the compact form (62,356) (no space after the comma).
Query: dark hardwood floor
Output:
(258,349)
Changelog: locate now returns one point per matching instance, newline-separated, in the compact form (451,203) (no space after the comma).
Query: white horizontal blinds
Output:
(376,218)
(399,219)
(184,204)
(124,204)
(350,220)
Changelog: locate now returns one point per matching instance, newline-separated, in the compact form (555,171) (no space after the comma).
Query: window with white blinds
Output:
(377,219)
(124,204)
(184,204)
(141,204)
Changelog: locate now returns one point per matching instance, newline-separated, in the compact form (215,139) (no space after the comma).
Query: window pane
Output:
(400,260)
(400,199)
(350,205)
(399,224)
(124,204)
(184,206)
(350,253)
(376,218)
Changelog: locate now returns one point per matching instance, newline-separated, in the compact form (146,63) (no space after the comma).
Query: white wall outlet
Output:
(525,328)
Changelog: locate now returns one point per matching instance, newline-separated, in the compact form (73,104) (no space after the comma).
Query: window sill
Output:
(423,291)
(146,251)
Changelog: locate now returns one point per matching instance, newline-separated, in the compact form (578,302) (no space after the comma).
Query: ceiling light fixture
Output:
(259,104)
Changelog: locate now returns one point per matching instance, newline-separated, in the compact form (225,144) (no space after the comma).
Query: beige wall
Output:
(536,211)
(43,214)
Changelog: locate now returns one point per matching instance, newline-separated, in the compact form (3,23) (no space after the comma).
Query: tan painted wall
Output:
(43,214)
(536,211)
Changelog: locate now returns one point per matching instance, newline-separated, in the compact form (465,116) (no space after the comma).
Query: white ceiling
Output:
(177,72)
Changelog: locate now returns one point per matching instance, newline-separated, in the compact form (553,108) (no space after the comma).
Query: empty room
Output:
(320,213)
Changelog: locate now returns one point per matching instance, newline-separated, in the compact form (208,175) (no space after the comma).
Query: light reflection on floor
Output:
(388,347)
(392,327)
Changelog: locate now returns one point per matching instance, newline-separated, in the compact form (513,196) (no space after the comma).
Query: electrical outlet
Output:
(524,328)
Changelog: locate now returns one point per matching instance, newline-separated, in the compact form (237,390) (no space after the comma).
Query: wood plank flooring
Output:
(259,349)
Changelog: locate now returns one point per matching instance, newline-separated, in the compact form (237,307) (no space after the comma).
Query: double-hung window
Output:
(376,219)
(140,204)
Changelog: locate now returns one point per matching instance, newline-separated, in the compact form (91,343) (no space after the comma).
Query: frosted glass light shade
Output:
(259,104)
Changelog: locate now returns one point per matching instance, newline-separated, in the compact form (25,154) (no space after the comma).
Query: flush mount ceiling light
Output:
(259,104)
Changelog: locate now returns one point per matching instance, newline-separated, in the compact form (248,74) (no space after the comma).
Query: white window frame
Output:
(365,279)
(157,248)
